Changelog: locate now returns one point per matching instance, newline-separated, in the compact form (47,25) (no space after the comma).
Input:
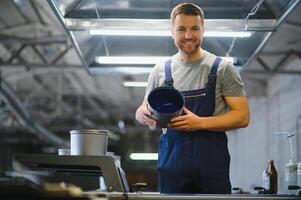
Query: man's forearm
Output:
(228,121)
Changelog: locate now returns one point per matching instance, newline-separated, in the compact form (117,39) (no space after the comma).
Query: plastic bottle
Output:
(291,175)
(270,178)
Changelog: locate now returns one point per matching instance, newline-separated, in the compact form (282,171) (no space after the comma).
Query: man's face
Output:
(187,32)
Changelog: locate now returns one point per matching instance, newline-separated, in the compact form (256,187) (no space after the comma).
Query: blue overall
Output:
(195,162)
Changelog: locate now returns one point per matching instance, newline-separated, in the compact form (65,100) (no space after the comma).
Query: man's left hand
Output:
(186,122)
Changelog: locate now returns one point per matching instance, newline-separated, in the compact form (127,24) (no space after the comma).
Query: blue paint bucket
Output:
(165,103)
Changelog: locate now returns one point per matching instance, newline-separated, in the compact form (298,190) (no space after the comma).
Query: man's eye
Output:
(181,29)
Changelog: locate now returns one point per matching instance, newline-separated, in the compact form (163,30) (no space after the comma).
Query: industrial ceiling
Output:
(131,28)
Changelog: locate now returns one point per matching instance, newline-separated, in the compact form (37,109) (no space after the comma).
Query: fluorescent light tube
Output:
(168,33)
(144,156)
(241,34)
(136,60)
(130,32)
(134,84)
(130,59)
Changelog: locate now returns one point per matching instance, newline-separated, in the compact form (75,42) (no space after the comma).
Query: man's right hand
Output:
(143,115)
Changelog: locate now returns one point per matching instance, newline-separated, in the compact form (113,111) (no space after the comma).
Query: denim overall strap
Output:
(213,73)
(168,77)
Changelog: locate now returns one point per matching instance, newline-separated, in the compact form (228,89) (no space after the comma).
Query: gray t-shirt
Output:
(194,76)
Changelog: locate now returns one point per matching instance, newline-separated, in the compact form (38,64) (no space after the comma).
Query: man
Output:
(193,156)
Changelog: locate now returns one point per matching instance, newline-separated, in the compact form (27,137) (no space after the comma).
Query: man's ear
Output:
(203,30)
(172,32)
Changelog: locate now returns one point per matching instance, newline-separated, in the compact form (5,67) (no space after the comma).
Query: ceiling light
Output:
(241,34)
(137,60)
(120,70)
(134,84)
(168,33)
(130,32)
(144,156)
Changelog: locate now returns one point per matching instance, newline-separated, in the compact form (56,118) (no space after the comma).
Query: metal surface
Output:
(206,196)
(158,196)
(105,166)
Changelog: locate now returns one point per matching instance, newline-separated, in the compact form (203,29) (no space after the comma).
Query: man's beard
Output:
(192,48)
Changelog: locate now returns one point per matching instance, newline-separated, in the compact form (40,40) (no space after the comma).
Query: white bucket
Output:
(89,142)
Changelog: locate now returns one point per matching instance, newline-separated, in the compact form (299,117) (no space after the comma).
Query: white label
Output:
(291,174)
(266,181)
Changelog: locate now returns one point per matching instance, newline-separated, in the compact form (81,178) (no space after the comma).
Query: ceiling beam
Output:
(25,27)
(10,40)
(61,55)
(36,50)
(26,19)
(276,53)
(7,29)
(276,69)
(258,50)
(284,72)
(292,23)
(15,54)
(282,61)
(71,7)
(41,65)
(290,7)
(36,11)
(263,64)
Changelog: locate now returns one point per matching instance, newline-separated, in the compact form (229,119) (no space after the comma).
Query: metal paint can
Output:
(89,142)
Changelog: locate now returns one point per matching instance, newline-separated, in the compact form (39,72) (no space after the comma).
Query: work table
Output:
(114,177)
(158,196)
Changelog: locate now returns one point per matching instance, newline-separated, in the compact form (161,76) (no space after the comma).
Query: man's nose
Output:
(188,34)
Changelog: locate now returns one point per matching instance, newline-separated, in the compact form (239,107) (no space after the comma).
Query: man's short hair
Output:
(188,9)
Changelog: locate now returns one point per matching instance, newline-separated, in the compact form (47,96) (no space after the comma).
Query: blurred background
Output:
(74,64)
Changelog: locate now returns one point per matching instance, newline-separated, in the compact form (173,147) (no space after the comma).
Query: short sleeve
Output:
(152,81)
(232,84)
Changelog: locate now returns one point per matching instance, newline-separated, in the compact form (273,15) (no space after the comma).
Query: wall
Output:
(252,147)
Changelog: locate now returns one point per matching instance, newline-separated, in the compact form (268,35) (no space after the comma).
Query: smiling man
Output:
(193,155)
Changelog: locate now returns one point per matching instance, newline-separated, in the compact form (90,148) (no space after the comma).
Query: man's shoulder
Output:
(159,66)
(211,57)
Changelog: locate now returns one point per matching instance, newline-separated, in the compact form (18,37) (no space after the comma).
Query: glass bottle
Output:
(270,182)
